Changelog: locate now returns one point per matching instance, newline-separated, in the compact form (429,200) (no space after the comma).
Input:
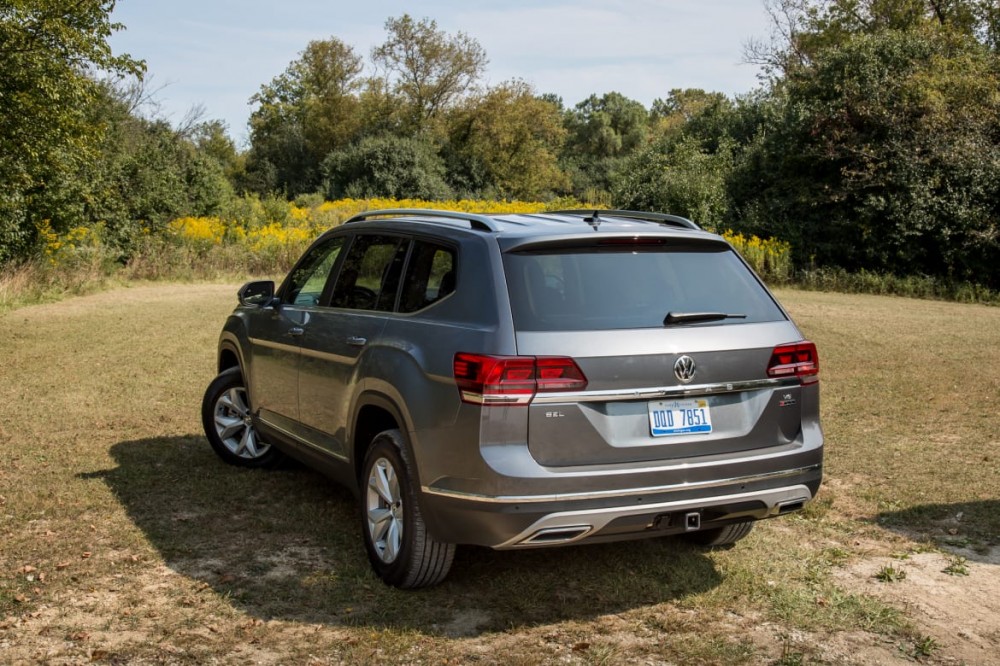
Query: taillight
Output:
(795,360)
(558,373)
(514,380)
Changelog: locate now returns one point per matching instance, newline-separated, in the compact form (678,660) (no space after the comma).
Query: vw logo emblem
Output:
(684,369)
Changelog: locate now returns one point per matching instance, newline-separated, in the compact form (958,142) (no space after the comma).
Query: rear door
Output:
(342,331)
(674,337)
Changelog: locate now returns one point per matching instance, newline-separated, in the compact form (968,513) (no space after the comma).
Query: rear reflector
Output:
(795,360)
(514,380)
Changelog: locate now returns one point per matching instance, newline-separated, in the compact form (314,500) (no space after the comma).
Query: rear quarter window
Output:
(606,288)
(430,276)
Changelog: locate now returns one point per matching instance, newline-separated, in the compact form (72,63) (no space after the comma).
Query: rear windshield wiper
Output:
(692,317)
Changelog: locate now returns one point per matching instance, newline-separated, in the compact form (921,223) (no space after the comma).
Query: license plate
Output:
(679,417)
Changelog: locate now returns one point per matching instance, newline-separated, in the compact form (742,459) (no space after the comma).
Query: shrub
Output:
(386,165)
(770,258)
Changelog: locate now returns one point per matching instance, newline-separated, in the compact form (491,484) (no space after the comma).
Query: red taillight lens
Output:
(795,360)
(513,380)
(557,373)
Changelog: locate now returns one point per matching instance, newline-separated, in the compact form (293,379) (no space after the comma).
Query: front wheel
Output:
(228,422)
(400,550)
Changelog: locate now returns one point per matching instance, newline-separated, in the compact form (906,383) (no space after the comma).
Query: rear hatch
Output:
(684,352)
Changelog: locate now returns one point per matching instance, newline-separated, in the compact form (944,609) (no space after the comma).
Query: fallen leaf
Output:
(20,598)
(62,565)
(78,636)
(27,568)
(86,554)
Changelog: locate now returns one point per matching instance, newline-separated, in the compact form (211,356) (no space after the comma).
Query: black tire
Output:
(721,536)
(226,416)
(399,548)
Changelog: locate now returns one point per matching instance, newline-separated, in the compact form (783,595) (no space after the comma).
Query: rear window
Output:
(608,288)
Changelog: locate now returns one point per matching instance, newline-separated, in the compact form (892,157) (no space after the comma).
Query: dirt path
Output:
(954,599)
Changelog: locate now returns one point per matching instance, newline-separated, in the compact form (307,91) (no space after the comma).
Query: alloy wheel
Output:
(384,506)
(234,425)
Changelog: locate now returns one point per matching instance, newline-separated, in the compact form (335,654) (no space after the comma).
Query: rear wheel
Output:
(401,551)
(721,536)
(228,422)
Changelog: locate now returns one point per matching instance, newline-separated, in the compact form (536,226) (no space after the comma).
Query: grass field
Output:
(123,539)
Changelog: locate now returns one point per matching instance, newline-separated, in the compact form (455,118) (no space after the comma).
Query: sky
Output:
(217,53)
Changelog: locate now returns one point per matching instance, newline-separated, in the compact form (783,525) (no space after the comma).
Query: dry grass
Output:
(911,409)
(123,539)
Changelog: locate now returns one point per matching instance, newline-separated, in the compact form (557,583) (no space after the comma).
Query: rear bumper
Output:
(527,521)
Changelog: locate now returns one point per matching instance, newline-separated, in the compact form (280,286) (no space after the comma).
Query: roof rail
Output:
(478,222)
(660,218)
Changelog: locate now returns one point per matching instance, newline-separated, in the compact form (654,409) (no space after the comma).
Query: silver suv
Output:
(520,381)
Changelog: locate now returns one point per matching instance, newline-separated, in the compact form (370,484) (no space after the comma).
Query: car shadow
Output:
(286,544)
(970,528)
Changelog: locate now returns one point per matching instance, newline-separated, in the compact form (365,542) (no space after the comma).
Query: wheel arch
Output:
(375,412)
(229,357)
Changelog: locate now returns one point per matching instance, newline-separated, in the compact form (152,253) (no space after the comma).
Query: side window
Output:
(370,276)
(430,276)
(305,285)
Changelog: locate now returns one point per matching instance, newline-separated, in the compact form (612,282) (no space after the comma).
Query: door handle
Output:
(356,341)
(295,332)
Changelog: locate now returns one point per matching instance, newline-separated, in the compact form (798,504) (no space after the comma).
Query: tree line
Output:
(873,141)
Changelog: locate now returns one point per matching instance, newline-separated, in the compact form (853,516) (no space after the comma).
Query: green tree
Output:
(682,108)
(212,140)
(803,29)
(882,154)
(508,141)
(146,172)
(386,166)
(428,69)
(677,175)
(607,126)
(47,49)
(303,114)
(601,131)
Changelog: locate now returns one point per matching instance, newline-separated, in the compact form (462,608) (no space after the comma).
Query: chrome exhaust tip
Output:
(554,535)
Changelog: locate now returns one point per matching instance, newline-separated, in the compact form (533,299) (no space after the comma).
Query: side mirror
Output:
(257,294)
